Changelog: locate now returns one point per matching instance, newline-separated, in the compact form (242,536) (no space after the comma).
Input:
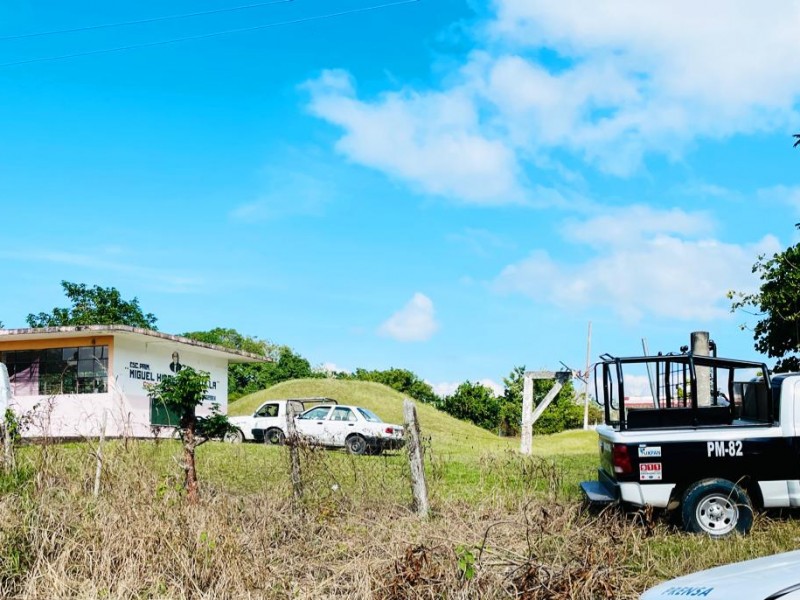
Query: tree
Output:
(404,381)
(777,333)
(243,378)
(473,402)
(182,393)
(94,306)
(289,365)
(247,378)
(563,413)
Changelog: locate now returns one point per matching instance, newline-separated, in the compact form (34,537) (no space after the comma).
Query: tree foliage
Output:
(183,393)
(777,333)
(473,402)
(94,306)
(404,381)
(246,378)
(478,404)
(563,413)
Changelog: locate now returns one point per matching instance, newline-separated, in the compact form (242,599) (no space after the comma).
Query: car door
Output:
(312,425)
(267,416)
(341,422)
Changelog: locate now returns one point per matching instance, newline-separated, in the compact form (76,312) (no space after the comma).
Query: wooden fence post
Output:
(292,442)
(419,487)
(99,470)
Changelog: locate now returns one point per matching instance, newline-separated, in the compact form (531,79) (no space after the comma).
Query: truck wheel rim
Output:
(717,514)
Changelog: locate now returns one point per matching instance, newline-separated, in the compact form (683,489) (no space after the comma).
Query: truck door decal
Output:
(724,449)
(650,471)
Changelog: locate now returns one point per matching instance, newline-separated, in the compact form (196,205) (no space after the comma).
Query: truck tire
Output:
(716,507)
(356,444)
(275,436)
(234,436)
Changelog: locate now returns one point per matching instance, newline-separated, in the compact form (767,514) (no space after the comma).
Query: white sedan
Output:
(353,427)
(767,578)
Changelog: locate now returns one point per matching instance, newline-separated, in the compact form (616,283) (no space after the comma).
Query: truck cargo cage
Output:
(686,390)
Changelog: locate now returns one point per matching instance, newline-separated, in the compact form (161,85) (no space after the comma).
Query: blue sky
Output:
(447,186)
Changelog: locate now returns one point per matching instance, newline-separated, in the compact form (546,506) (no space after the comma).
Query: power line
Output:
(140,21)
(209,35)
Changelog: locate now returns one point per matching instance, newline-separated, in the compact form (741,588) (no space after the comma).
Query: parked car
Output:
(767,578)
(268,422)
(355,428)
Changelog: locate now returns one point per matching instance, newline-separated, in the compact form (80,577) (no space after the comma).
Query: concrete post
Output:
(526,444)
(699,345)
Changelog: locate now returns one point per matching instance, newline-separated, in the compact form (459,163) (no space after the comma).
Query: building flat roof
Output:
(126,331)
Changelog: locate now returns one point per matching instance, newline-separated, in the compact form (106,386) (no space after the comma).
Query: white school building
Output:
(67,381)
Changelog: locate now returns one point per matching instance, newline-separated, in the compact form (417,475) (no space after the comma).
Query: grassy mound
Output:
(448,435)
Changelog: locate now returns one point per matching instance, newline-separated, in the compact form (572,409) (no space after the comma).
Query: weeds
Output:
(522,536)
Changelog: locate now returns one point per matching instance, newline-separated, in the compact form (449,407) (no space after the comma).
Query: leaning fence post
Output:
(418,485)
(294,455)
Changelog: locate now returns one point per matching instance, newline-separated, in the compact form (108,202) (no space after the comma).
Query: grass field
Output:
(503,525)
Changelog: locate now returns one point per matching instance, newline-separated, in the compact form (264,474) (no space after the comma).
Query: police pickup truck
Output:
(718,438)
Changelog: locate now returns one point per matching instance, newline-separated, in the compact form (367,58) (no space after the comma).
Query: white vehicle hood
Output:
(774,577)
(245,420)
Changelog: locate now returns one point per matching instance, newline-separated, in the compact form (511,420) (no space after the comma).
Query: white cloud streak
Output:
(624,79)
(640,269)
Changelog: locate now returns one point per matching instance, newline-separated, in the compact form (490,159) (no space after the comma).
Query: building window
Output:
(74,370)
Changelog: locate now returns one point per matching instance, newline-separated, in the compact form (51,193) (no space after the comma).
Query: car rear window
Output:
(369,415)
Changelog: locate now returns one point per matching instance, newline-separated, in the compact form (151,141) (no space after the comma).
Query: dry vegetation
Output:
(521,534)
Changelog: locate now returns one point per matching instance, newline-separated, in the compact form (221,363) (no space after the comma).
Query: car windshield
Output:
(369,415)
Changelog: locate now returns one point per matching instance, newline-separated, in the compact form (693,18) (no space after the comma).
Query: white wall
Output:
(126,404)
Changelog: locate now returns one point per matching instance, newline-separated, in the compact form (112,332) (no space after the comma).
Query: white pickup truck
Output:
(268,422)
(715,455)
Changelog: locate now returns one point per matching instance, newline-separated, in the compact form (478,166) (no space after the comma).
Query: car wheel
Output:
(276,437)
(356,444)
(234,436)
(716,507)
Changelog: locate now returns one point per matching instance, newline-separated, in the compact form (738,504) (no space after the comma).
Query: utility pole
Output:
(586,380)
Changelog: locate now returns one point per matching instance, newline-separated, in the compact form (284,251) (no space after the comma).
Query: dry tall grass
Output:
(353,537)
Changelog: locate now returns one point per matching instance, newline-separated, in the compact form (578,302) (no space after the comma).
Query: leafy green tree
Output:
(94,306)
(473,402)
(289,365)
(183,393)
(777,333)
(247,378)
(243,378)
(404,381)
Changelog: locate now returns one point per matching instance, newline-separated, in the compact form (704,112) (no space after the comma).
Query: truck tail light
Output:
(389,430)
(621,460)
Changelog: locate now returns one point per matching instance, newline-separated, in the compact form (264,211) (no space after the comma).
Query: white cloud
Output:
(445,388)
(415,322)
(448,388)
(673,271)
(330,368)
(628,78)
(497,388)
(432,140)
